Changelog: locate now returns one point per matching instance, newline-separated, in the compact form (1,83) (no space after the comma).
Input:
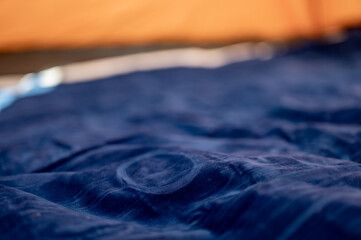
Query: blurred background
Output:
(39,34)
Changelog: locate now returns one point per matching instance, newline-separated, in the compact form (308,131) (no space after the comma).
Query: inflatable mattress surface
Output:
(252,150)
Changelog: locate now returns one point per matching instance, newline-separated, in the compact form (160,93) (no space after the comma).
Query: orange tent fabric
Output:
(43,24)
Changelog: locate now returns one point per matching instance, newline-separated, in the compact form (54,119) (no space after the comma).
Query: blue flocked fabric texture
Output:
(252,150)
